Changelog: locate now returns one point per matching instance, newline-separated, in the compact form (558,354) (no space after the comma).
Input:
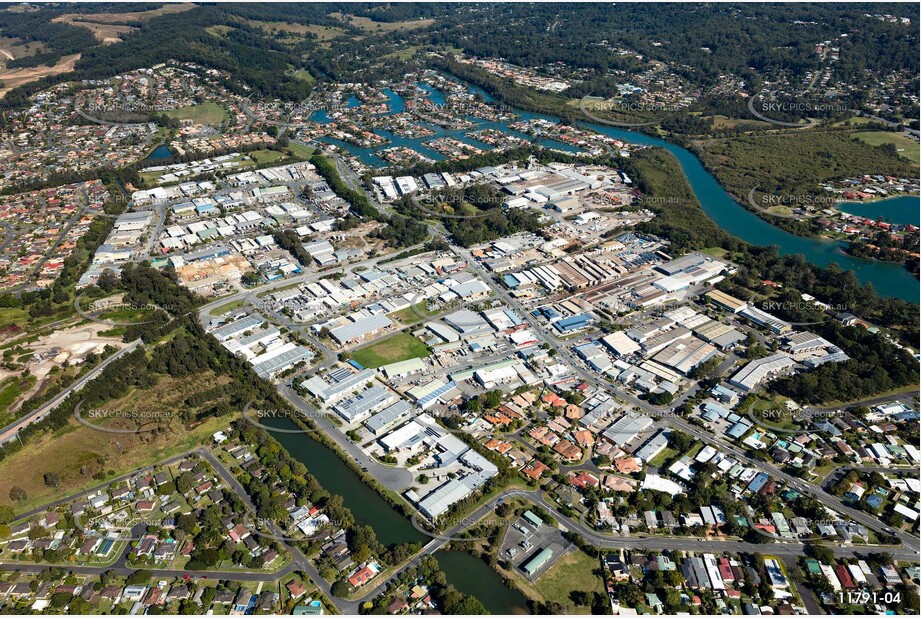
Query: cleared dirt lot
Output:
(13,78)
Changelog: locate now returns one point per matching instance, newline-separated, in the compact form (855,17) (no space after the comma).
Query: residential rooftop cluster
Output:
(42,228)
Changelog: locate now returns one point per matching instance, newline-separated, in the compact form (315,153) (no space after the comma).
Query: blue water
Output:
(160,152)
(888,278)
(902,210)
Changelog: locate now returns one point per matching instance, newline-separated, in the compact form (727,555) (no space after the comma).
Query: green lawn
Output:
(304,75)
(572,572)
(717,252)
(906,146)
(261,157)
(10,390)
(412,315)
(300,151)
(204,113)
(227,308)
(400,347)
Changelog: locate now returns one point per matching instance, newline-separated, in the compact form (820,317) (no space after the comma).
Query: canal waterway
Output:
(889,278)
(471,575)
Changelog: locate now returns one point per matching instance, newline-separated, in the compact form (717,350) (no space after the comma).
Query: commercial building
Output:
(727,302)
(363,404)
(684,355)
(762,318)
(280,359)
(227,331)
(537,562)
(625,429)
(360,328)
(337,383)
(388,417)
(760,370)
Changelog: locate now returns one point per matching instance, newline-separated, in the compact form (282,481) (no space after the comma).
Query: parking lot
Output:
(523,540)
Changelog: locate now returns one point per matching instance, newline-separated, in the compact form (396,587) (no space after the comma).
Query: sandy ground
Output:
(61,348)
(13,78)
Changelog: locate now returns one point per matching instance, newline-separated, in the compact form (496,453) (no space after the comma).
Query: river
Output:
(391,527)
(467,573)
(902,209)
(888,278)
(471,575)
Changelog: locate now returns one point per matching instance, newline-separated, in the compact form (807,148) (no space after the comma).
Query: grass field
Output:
(227,308)
(204,113)
(12,48)
(717,252)
(574,571)
(369,25)
(300,151)
(905,146)
(400,347)
(83,457)
(10,390)
(412,315)
(262,157)
(402,54)
(304,76)
(13,78)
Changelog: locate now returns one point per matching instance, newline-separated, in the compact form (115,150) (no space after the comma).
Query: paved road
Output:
(10,431)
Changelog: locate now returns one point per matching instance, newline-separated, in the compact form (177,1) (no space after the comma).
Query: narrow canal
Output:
(471,575)
(367,506)
(467,573)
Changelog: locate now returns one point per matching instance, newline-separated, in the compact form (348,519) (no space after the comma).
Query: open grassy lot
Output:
(83,457)
(204,113)
(304,76)
(400,347)
(412,315)
(13,78)
(905,146)
(227,308)
(12,48)
(11,389)
(263,157)
(572,572)
(300,151)
(379,27)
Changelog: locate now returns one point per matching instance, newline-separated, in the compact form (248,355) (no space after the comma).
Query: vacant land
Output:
(369,25)
(412,315)
(573,572)
(323,33)
(227,308)
(82,457)
(905,146)
(11,389)
(13,78)
(105,32)
(12,48)
(391,350)
(204,113)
